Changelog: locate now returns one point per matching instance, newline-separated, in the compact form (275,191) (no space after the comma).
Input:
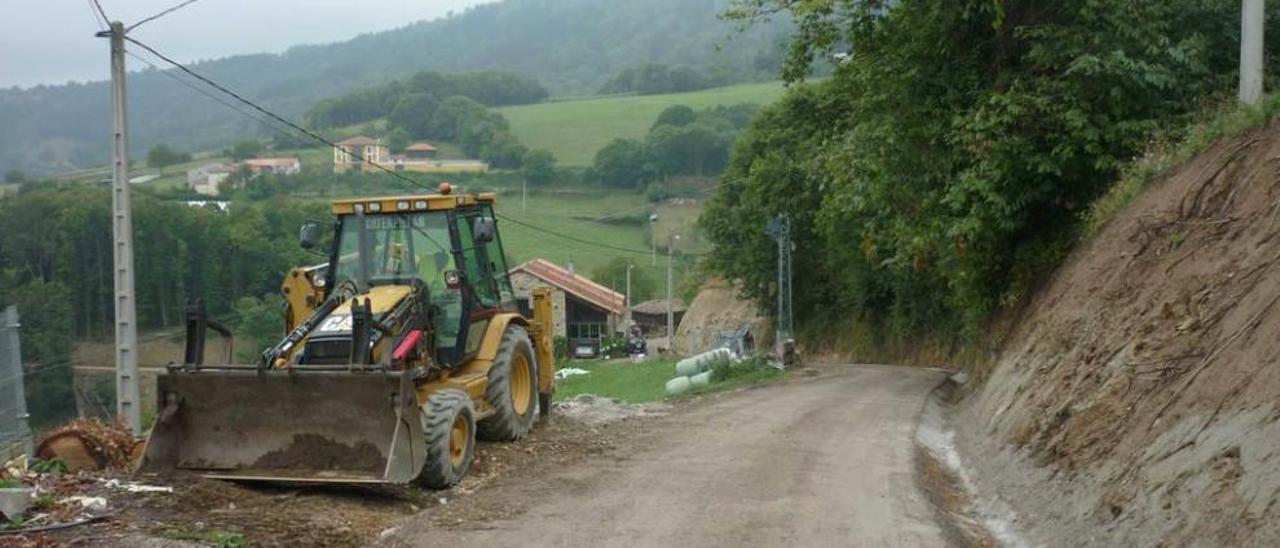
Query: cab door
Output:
(487,289)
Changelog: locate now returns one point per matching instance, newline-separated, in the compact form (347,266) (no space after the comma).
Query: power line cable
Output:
(159,15)
(101,12)
(98,16)
(206,93)
(361,158)
(581,240)
(273,115)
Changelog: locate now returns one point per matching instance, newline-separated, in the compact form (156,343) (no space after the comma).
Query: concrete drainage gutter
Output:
(966,514)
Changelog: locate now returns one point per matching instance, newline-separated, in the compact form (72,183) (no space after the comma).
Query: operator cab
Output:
(444,248)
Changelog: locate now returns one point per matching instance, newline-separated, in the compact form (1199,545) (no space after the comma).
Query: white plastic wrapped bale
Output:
(702,362)
(701,379)
(678,385)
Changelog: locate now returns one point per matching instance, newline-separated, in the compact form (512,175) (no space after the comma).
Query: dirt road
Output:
(820,461)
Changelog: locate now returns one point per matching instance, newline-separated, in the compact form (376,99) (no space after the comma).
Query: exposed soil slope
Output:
(1142,380)
(718,308)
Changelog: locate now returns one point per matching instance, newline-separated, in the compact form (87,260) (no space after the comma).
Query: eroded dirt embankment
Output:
(1136,403)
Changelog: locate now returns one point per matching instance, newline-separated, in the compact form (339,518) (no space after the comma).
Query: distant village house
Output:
(277,166)
(420,151)
(207,179)
(359,153)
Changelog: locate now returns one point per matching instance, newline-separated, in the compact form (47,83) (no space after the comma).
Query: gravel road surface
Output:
(825,460)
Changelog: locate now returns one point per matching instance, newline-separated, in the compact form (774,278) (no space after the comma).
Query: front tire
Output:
(513,389)
(449,425)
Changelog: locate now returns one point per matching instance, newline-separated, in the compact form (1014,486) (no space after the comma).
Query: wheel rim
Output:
(458,435)
(521,384)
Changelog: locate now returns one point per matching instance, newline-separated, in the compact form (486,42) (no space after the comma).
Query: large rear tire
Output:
(449,425)
(513,389)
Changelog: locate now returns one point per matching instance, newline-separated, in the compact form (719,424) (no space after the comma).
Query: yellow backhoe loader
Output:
(399,352)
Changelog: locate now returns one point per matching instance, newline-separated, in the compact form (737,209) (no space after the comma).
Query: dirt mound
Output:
(594,410)
(1140,381)
(717,308)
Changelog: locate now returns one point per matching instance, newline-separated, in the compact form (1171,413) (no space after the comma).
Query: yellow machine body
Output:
(282,420)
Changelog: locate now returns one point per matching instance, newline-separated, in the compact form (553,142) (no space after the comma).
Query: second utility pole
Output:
(127,408)
(1252,23)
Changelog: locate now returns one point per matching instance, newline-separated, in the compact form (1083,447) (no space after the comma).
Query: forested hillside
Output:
(951,160)
(557,42)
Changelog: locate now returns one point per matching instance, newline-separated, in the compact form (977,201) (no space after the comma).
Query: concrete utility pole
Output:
(1252,18)
(780,229)
(9,325)
(671,318)
(626,317)
(127,407)
(653,236)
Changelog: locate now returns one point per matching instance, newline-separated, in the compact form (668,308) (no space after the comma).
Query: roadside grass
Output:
(646,381)
(1166,156)
(574,130)
(619,379)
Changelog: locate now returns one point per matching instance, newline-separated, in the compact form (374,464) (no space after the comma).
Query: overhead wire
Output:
(572,238)
(264,121)
(272,115)
(303,131)
(161,14)
(99,17)
(101,12)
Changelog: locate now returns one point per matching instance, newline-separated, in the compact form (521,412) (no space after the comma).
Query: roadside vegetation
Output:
(953,158)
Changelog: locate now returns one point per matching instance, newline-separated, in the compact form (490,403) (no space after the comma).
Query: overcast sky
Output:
(52,42)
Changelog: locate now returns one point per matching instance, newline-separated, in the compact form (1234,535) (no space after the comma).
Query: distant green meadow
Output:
(574,130)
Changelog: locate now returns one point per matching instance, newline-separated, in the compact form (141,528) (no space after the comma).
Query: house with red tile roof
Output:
(583,310)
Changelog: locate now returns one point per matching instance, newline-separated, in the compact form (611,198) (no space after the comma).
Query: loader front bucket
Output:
(289,426)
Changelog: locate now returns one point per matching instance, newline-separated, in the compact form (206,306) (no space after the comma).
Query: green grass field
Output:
(619,379)
(571,214)
(575,130)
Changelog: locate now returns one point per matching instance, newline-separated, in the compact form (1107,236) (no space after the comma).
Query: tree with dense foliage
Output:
(539,167)
(681,142)
(410,102)
(161,156)
(945,166)
(653,79)
(644,285)
(14,176)
(675,115)
(624,163)
(413,114)
(398,139)
(244,150)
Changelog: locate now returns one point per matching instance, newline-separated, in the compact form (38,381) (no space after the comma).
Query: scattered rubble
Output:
(570,372)
(595,410)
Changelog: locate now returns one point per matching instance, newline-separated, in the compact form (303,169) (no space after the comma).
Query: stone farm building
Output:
(582,309)
(207,178)
(651,316)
